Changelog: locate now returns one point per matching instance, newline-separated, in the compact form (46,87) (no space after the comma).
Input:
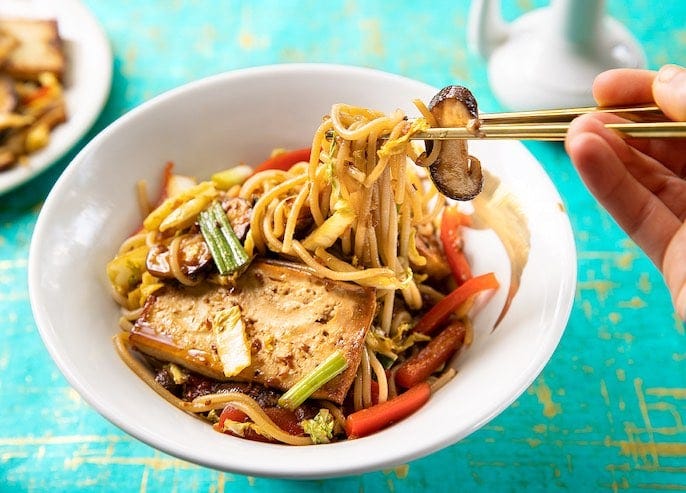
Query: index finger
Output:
(623,86)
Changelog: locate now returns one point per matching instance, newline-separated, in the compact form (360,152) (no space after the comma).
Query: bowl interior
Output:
(240,117)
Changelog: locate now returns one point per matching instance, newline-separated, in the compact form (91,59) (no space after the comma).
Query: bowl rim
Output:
(392,458)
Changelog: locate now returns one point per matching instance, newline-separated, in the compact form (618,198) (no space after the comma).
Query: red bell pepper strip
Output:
(372,419)
(283,418)
(451,223)
(166,178)
(284,160)
(448,305)
(375,392)
(36,95)
(233,414)
(440,349)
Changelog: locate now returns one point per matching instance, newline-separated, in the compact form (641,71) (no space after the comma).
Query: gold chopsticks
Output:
(552,131)
(646,121)
(641,113)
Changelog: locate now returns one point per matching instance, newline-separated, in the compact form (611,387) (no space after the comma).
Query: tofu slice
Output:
(38,48)
(293,320)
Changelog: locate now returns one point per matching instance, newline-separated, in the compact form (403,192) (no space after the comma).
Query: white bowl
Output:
(240,116)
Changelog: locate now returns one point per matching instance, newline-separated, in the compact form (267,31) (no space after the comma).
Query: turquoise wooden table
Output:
(608,413)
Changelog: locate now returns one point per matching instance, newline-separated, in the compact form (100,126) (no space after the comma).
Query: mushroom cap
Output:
(455,173)
(461,94)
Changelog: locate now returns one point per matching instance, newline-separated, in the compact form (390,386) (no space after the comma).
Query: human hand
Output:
(641,182)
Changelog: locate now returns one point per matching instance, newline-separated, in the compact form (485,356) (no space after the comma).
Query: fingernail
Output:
(668,72)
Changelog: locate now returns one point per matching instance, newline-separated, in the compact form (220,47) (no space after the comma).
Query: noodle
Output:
(125,324)
(336,412)
(356,275)
(380,374)
(444,378)
(123,346)
(425,160)
(133,242)
(357,391)
(250,407)
(366,371)
(313,198)
(207,402)
(121,300)
(263,181)
(469,334)
(293,215)
(387,311)
(259,216)
(132,314)
(175,266)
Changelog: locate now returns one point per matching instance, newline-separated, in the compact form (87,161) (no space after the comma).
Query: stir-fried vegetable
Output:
(330,230)
(372,419)
(228,178)
(448,305)
(180,211)
(455,173)
(305,387)
(451,237)
(236,422)
(397,145)
(284,160)
(227,251)
(438,351)
(232,343)
(125,271)
(320,428)
(349,284)
(400,341)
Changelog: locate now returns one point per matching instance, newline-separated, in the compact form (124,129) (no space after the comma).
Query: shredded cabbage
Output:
(231,340)
(125,271)
(330,230)
(180,210)
(228,178)
(320,428)
(392,346)
(397,145)
(239,428)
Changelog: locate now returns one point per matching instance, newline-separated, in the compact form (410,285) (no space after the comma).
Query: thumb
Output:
(669,91)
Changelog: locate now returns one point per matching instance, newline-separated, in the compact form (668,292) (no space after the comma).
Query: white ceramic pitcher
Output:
(549,57)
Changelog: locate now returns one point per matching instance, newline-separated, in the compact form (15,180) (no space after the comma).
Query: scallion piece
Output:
(225,247)
(306,386)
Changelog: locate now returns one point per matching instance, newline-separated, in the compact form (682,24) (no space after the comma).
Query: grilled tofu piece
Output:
(38,48)
(7,44)
(293,320)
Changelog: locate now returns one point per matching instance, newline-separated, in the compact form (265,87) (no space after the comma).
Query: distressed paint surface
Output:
(608,413)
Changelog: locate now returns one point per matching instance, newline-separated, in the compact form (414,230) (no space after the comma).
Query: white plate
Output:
(240,116)
(87,80)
